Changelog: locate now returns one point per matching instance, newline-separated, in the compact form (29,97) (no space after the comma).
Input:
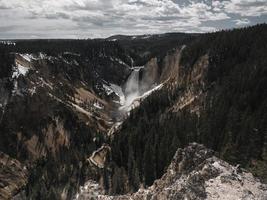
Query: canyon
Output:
(124,118)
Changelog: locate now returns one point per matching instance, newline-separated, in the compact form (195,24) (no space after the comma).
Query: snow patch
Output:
(43,82)
(113,88)
(18,70)
(71,53)
(6,42)
(28,57)
(98,106)
(108,90)
(32,91)
(119,61)
(90,190)
(118,91)
(42,55)
(146,37)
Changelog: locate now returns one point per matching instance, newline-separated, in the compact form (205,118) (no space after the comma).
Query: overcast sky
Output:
(102,18)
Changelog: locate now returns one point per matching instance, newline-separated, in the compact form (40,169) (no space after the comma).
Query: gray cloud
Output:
(243,7)
(5,29)
(102,18)
(3,7)
(240,22)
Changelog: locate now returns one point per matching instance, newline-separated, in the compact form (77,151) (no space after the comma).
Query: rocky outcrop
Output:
(194,173)
(193,81)
(13,176)
(170,65)
(98,158)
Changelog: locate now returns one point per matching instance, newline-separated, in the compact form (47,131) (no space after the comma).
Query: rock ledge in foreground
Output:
(194,173)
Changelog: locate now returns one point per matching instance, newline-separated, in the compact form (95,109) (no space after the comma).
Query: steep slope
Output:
(194,173)
(55,111)
(13,176)
(214,94)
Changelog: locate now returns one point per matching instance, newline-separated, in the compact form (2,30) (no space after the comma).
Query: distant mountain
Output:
(148,36)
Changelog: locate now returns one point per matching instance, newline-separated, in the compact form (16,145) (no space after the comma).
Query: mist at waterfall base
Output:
(131,91)
(132,88)
(135,90)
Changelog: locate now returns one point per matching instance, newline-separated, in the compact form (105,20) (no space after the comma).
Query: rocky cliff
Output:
(194,173)
(13,176)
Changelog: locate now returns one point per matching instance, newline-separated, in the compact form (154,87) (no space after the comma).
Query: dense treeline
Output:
(89,48)
(143,48)
(232,121)
(96,55)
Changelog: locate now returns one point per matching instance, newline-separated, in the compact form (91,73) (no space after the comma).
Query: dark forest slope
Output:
(218,97)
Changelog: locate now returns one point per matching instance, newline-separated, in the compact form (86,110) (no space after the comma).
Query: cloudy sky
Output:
(102,18)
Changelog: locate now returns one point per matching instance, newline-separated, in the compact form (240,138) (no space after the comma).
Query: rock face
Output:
(150,75)
(13,176)
(194,173)
(171,64)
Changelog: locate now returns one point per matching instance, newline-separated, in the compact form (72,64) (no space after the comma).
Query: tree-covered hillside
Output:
(232,107)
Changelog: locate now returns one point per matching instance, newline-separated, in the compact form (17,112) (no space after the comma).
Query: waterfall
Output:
(132,87)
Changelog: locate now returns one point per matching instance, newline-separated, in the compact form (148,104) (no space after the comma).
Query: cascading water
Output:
(132,88)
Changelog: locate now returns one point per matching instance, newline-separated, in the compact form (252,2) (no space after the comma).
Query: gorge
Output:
(171,116)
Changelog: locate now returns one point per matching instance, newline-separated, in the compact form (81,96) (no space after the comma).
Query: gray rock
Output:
(196,174)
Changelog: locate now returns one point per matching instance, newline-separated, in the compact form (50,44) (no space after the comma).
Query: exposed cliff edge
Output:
(194,173)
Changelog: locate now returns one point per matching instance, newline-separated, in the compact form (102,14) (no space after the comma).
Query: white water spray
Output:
(133,92)
(132,88)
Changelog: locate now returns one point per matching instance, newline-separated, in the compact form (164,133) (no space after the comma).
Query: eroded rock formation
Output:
(194,173)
